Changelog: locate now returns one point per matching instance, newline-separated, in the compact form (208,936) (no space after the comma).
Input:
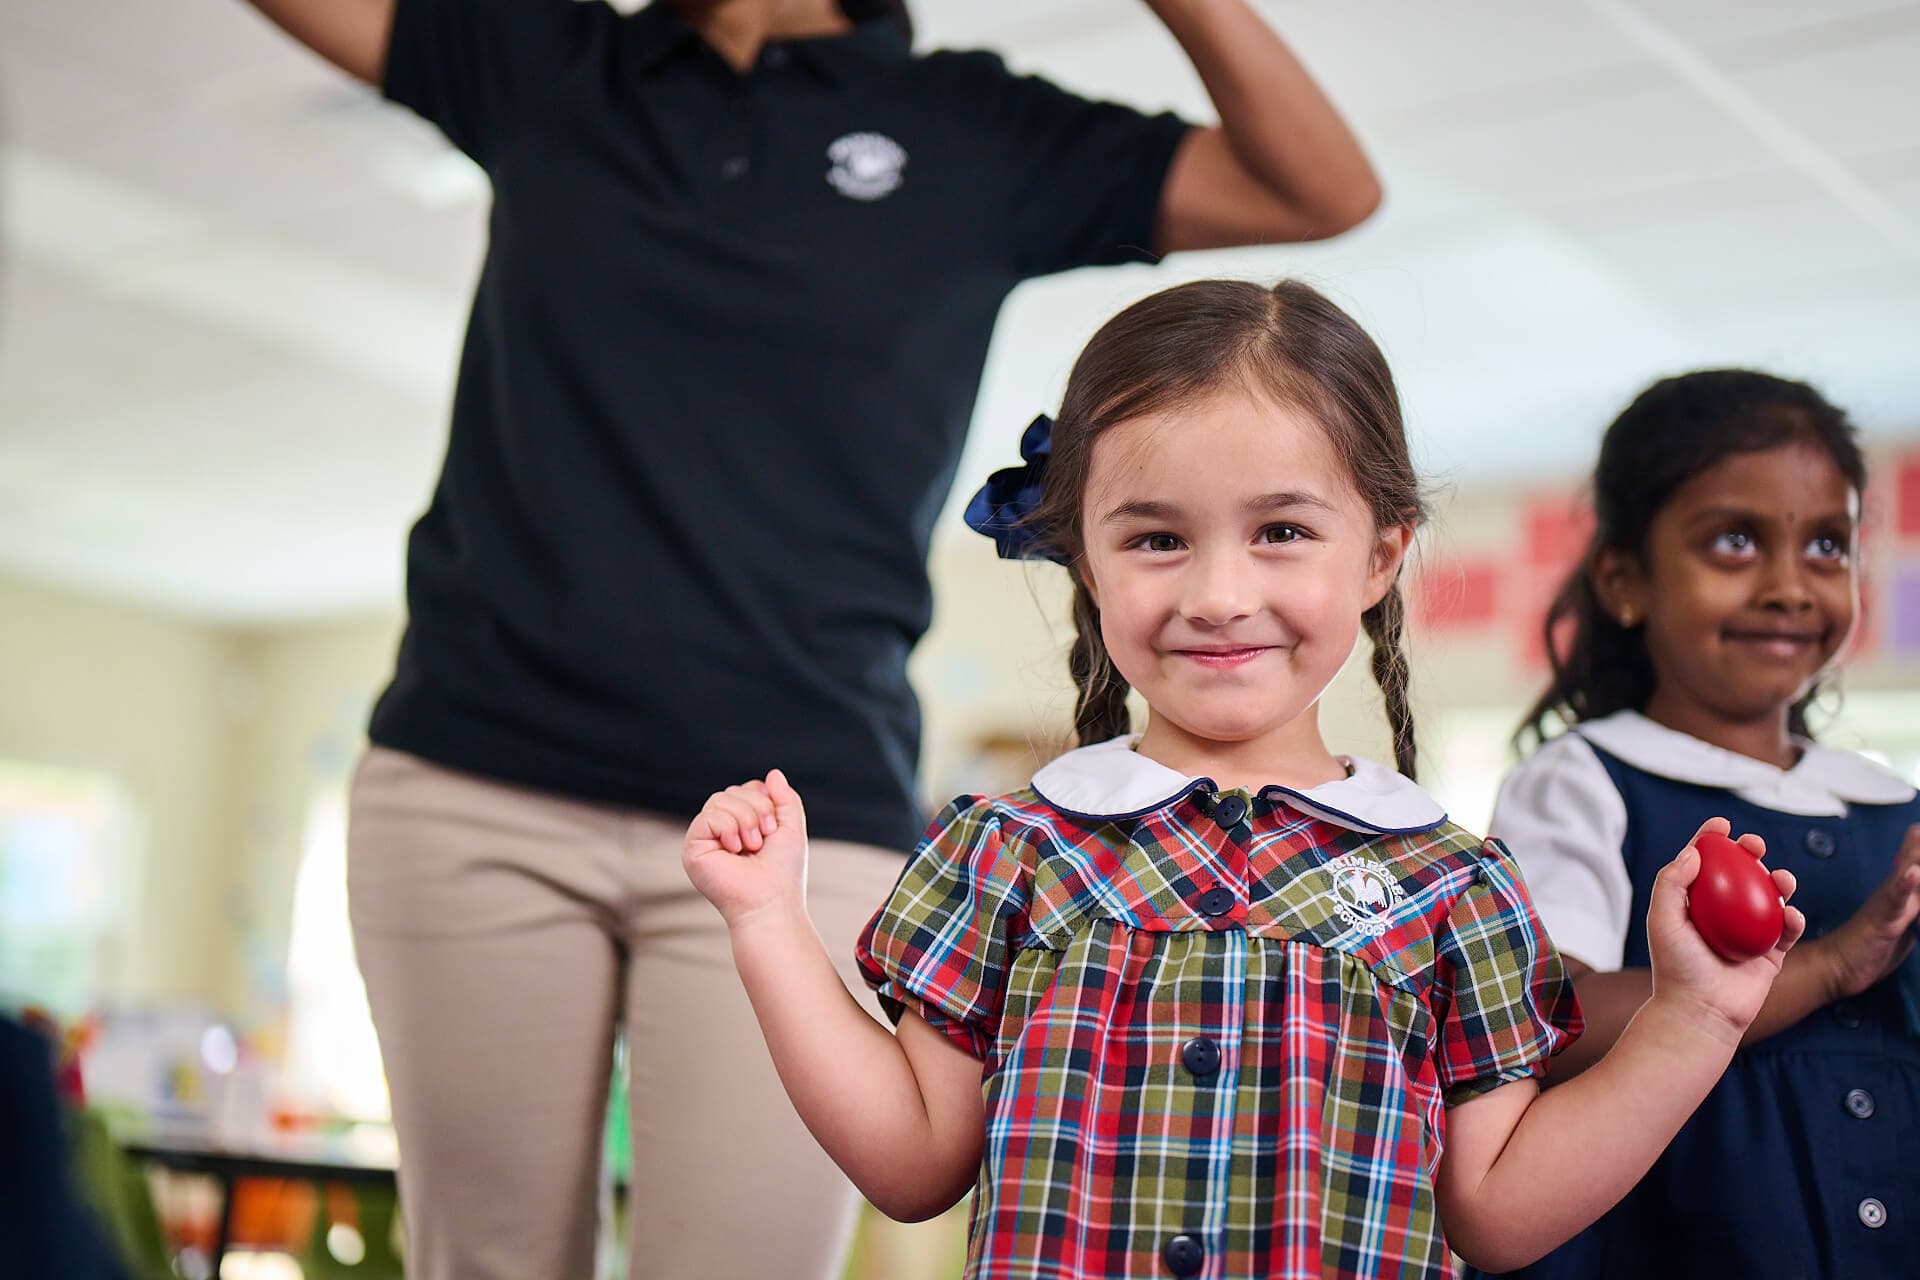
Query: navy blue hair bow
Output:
(1004,506)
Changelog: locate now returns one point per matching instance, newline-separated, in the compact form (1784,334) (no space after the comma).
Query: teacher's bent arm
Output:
(351,34)
(1281,165)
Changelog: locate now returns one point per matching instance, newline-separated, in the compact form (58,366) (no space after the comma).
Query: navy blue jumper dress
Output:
(1804,1162)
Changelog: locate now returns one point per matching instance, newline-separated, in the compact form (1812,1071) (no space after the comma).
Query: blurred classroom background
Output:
(231,292)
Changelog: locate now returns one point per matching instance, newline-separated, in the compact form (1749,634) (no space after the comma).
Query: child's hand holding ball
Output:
(1718,929)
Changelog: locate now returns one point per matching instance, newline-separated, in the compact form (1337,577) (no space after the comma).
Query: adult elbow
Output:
(1363,201)
(1343,210)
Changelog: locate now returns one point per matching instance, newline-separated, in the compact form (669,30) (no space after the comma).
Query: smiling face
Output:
(1231,559)
(1748,589)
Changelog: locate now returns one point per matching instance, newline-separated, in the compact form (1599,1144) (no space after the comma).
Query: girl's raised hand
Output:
(1686,971)
(1877,937)
(746,850)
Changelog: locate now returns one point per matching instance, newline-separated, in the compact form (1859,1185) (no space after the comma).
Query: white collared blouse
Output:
(1565,822)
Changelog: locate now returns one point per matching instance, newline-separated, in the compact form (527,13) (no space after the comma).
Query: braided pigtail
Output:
(1385,624)
(1100,707)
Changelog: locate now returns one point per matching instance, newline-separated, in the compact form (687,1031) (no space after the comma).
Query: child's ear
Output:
(1619,582)
(1388,555)
(1085,579)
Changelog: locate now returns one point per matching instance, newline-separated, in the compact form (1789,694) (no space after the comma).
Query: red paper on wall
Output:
(1555,529)
(1457,594)
(1906,486)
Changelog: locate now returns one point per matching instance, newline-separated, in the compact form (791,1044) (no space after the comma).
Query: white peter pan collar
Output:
(1822,784)
(1110,781)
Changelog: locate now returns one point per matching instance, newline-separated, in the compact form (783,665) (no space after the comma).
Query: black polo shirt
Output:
(722,357)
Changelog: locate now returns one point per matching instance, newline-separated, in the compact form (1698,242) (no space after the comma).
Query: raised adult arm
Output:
(1281,165)
(351,34)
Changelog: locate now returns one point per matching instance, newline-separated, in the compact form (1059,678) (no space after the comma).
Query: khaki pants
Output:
(503,933)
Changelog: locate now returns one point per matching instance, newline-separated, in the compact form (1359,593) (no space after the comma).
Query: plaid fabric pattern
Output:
(1350,987)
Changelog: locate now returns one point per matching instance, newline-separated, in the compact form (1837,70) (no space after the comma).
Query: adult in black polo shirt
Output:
(745,259)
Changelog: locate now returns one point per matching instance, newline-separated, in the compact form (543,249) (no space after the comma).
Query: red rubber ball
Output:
(1734,903)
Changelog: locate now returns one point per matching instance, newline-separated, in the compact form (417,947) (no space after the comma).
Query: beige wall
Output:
(143,697)
(218,737)
(311,688)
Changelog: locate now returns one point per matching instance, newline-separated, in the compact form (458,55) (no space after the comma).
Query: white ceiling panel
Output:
(1855,101)
(1741,251)
(178,48)
(1904,193)
(232,284)
(1402,62)
(55,99)
(1736,29)
(1554,155)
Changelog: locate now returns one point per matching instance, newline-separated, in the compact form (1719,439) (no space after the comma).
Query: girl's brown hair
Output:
(1288,342)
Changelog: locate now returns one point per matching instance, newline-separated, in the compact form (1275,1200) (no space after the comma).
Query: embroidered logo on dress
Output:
(866,166)
(1365,892)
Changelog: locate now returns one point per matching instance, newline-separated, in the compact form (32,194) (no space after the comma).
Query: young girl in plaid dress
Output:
(1210,1000)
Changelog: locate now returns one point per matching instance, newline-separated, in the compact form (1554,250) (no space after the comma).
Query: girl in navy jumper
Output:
(1720,586)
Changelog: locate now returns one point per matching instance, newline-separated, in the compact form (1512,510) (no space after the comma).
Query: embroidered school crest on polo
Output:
(1216,1025)
(866,165)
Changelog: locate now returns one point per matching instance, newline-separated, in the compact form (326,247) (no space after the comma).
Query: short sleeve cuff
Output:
(1510,1003)
(896,1000)
(407,77)
(940,943)
(1467,1090)
(1161,138)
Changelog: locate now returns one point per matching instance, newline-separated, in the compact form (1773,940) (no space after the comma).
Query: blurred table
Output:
(368,1154)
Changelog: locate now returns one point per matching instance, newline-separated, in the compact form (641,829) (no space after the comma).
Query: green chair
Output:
(115,1187)
(377,1209)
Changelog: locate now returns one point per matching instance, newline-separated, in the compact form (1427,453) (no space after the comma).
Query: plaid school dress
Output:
(1219,1030)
